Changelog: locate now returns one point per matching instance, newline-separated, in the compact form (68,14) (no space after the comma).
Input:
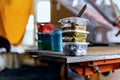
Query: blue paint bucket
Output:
(56,40)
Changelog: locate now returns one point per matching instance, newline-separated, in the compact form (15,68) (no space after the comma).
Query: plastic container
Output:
(56,40)
(73,23)
(57,47)
(44,45)
(75,49)
(69,27)
(74,36)
(45,28)
(44,37)
(74,29)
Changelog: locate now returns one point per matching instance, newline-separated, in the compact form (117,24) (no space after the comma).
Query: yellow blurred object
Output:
(93,77)
(117,14)
(14,16)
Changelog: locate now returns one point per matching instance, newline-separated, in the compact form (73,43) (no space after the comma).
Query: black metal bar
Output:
(82,11)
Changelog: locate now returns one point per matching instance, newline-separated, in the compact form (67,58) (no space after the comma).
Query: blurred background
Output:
(103,21)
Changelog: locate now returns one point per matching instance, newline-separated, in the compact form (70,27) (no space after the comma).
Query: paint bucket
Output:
(56,40)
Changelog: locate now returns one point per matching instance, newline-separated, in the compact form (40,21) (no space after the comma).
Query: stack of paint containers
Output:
(49,38)
(44,37)
(74,36)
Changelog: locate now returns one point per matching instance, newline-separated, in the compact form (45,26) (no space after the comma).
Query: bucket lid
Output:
(73,19)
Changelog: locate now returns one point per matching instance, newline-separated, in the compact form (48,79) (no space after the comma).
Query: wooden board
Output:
(93,53)
(103,50)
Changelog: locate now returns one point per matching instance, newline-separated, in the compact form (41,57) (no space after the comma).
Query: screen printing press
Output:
(97,60)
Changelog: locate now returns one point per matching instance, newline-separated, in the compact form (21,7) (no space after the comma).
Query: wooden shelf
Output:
(108,61)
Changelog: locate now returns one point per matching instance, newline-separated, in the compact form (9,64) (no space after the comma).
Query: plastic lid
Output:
(73,19)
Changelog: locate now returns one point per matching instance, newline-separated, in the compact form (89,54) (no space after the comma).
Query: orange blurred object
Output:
(14,15)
